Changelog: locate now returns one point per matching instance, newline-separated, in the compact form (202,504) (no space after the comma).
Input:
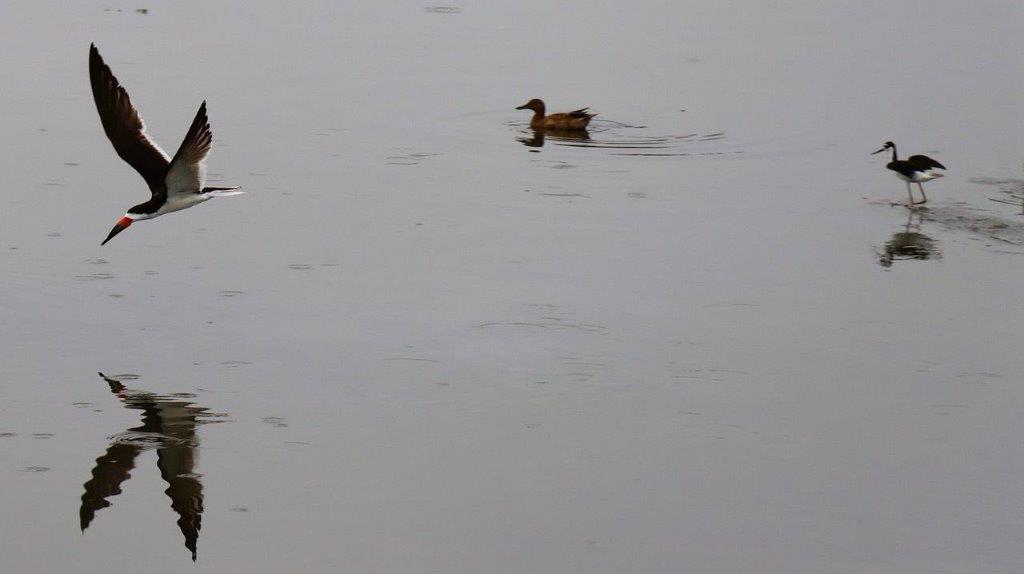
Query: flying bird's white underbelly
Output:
(177,202)
(181,201)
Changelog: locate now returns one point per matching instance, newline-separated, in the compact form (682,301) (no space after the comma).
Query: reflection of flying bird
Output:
(169,426)
(914,169)
(574,120)
(175,183)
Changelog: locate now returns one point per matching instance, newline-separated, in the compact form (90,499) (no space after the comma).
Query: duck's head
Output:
(534,104)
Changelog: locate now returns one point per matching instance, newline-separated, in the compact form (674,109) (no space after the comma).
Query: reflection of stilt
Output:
(169,426)
(909,243)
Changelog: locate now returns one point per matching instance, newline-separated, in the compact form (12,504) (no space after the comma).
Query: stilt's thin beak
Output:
(879,151)
(120,226)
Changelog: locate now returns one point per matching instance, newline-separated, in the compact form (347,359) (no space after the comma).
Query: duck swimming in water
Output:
(574,120)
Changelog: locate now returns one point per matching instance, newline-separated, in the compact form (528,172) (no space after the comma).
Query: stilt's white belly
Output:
(919,176)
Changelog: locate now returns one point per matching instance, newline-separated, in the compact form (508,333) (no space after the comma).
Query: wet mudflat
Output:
(699,338)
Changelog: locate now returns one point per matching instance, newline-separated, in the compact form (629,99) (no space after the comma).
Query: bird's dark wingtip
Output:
(96,63)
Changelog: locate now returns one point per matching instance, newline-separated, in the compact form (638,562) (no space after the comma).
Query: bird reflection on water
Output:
(538,136)
(169,426)
(909,244)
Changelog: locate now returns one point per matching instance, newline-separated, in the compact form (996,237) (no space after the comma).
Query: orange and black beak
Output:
(120,226)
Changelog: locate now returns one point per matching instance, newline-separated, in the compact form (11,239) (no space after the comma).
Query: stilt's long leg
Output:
(910,194)
(924,198)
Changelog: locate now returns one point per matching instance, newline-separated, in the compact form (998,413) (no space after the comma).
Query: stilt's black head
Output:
(887,145)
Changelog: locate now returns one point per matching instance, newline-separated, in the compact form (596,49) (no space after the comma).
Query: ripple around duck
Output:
(628,140)
(276,422)
(95,277)
(412,158)
(442,9)
(547,324)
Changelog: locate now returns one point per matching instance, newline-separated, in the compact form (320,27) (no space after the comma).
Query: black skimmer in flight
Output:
(914,169)
(176,183)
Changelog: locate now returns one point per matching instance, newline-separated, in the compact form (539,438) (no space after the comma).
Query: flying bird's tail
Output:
(220,191)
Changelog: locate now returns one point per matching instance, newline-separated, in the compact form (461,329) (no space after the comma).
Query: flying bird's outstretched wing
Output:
(124,126)
(187,173)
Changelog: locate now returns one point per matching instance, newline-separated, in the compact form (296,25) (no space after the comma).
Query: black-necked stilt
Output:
(914,169)
(175,183)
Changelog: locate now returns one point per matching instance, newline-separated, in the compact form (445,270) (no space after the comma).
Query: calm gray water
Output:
(703,340)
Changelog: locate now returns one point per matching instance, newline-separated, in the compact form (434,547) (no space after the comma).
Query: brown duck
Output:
(575,120)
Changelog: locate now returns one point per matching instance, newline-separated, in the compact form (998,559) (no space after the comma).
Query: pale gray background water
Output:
(440,352)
